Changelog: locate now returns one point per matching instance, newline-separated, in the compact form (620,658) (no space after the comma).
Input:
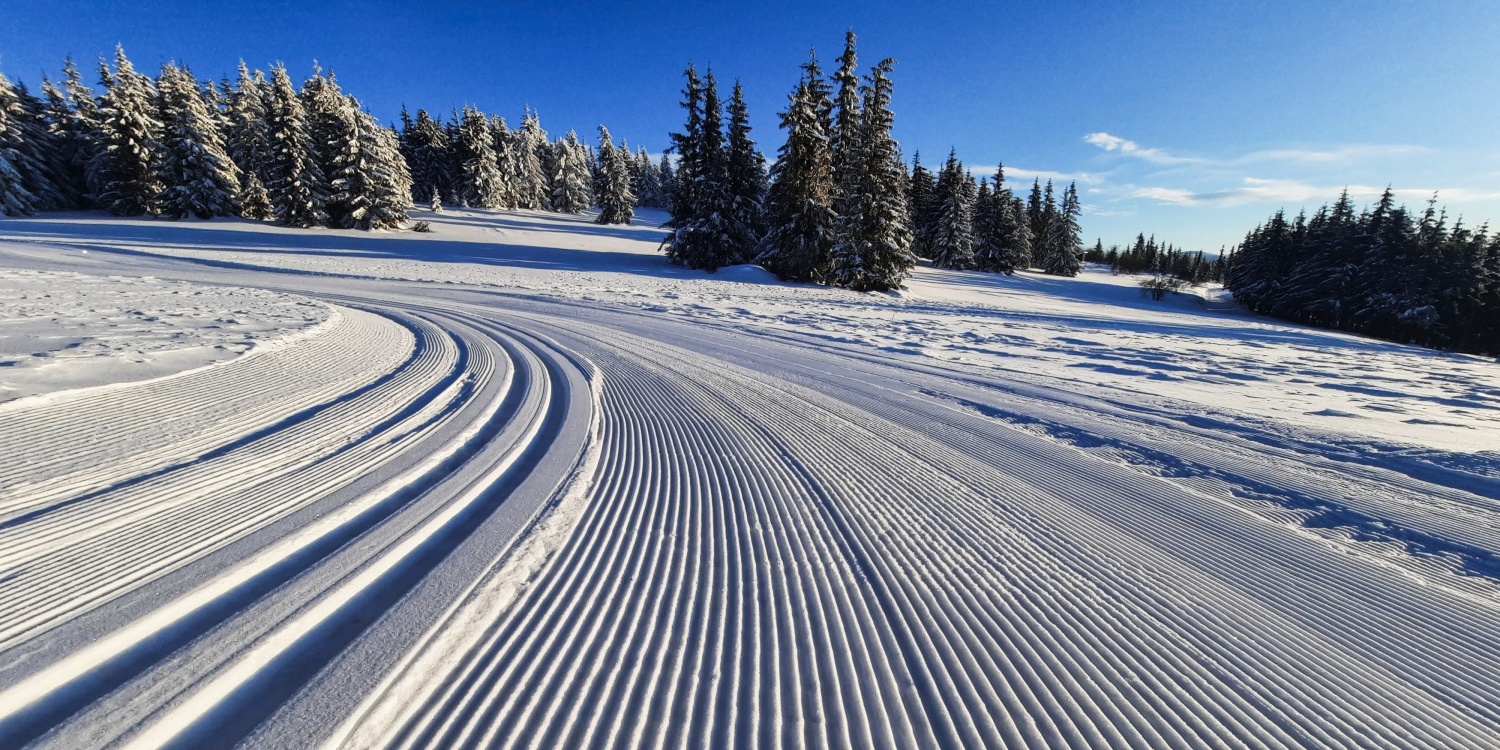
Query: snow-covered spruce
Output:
(130,140)
(480,183)
(616,201)
(572,180)
(198,177)
(872,251)
(799,204)
(952,234)
(296,184)
(1062,249)
(704,233)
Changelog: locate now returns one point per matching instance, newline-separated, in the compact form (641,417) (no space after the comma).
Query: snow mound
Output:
(66,330)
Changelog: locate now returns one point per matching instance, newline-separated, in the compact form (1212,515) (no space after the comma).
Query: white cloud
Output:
(1085,178)
(1341,155)
(1352,154)
(1292,191)
(1131,148)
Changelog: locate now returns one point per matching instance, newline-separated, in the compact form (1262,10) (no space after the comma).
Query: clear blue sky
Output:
(1190,120)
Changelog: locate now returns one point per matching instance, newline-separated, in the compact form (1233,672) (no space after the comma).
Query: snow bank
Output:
(64,330)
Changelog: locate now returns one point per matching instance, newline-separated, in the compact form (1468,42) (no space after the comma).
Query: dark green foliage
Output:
(951,244)
(293,178)
(873,247)
(429,159)
(616,199)
(705,236)
(198,177)
(745,183)
(1386,273)
(1002,241)
(1062,250)
(799,206)
(130,140)
(920,196)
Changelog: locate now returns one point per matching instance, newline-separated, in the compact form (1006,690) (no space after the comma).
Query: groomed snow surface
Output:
(519,483)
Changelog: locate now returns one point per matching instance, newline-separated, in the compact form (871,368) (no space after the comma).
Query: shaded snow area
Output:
(518,482)
(69,330)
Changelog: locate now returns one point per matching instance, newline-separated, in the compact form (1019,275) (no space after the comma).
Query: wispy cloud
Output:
(1131,148)
(1084,178)
(1293,191)
(1341,155)
(1090,209)
(1351,154)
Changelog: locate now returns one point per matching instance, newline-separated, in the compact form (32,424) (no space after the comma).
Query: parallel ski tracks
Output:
(763,565)
(239,566)
(776,547)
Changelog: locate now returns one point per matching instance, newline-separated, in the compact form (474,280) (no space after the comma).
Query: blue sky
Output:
(1190,120)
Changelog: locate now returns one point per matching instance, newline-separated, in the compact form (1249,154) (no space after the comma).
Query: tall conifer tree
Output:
(952,244)
(616,201)
(294,180)
(130,151)
(799,206)
(198,177)
(745,174)
(873,250)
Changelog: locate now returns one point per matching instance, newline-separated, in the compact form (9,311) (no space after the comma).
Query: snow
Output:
(1096,331)
(64,330)
(521,481)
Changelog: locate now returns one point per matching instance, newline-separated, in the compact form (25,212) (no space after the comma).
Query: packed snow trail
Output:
(531,522)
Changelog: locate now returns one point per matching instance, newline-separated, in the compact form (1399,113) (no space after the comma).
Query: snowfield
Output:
(68,330)
(520,483)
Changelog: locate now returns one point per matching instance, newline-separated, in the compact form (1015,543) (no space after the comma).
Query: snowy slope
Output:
(66,330)
(525,484)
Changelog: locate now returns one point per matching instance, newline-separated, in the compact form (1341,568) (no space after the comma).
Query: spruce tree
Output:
(1036,218)
(293,178)
(745,173)
(533,189)
(1003,240)
(688,145)
(952,244)
(335,134)
(571,183)
(648,185)
(705,241)
(197,175)
(847,125)
(255,202)
(130,140)
(87,126)
(385,181)
(507,146)
(846,130)
(799,205)
(1062,255)
(71,147)
(920,201)
(249,142)
(430,161)
(873,249)
(616,201)
(480,184)
(15,198)
(35,177)
(668,178)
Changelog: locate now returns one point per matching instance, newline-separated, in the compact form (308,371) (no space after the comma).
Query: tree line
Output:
(839,206)
(261,148)
(1146,255)
(1385,272)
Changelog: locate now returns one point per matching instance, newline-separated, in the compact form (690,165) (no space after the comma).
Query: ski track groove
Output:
(822,552)
(979,585)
